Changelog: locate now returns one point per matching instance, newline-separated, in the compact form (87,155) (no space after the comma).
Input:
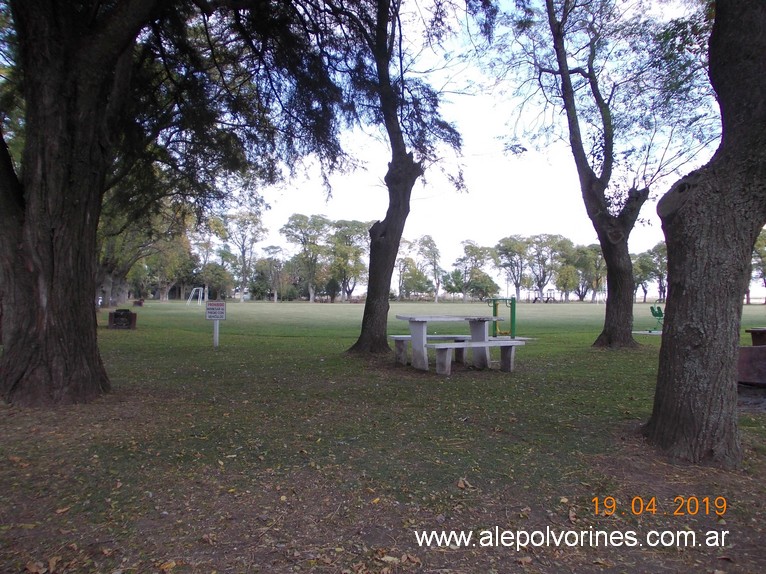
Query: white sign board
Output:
(215,310)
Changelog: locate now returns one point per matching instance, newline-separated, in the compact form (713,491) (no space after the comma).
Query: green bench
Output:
(659,315)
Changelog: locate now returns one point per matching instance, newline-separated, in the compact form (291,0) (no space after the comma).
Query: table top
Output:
(445,318)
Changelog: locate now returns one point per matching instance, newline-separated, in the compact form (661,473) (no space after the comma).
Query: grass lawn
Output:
(279,453)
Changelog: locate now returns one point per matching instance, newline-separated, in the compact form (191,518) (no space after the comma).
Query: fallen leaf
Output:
(168,566)
(572,515)
(524,560)
(52,562)
(209,538)
(35,568)
(411,558)
(63,509)
(389,559)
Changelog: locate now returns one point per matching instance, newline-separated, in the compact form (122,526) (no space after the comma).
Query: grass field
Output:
(278,452)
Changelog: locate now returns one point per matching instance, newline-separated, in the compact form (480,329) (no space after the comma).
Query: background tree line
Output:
(330,261)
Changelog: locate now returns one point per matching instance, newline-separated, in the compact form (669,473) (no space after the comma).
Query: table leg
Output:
(480,332)
(419,351)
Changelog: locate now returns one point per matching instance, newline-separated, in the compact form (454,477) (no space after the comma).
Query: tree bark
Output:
(49,216)
(403,172)
(613,232)
(711,219)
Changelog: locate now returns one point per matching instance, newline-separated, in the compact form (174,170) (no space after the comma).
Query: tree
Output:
(77,62)
(659,255)
(454,282)
(567,280)
(759,259)
(482,285)
(545,253)
(218,279)
(596,62)
(711,219)
(310,235)
(474,258)
(590,268)
(270,277)
(171,260)
(50,210)
(512,257)
(206,240)
(643,272)
(414,282)
(387,93)
(403,262)
(348,244)
(244,229)
(430,256)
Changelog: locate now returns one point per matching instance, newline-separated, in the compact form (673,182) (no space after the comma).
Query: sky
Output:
(535,192)
(532,193)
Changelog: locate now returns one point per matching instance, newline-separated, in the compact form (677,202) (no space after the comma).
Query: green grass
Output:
(277,449)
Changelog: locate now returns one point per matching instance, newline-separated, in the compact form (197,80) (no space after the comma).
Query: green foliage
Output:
(546,254)
(481,285)
(414,282)
(512,256)
(680,55)
(759,258)
(567,279)
(348,246)
(309,234)
(374,65)
(643,271)
(218,279)
(430,257)
(454,282)
(590,268)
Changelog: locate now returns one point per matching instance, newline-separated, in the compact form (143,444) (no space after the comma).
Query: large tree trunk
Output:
(711,219)
(48,219)
(403,172)
(618,319)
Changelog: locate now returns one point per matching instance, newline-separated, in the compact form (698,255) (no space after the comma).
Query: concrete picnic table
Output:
(479,327)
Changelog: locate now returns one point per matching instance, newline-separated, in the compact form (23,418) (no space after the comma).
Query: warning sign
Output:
(215,310)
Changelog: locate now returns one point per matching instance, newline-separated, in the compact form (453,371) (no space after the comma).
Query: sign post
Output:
(215,311)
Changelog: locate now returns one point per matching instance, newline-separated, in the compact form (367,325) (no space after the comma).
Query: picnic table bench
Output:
(402,343)
(478,341)
(444,353)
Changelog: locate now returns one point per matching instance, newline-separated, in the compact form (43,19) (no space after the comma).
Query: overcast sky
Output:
(536,192)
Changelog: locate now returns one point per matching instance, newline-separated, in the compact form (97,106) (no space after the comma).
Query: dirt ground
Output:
(329,518)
